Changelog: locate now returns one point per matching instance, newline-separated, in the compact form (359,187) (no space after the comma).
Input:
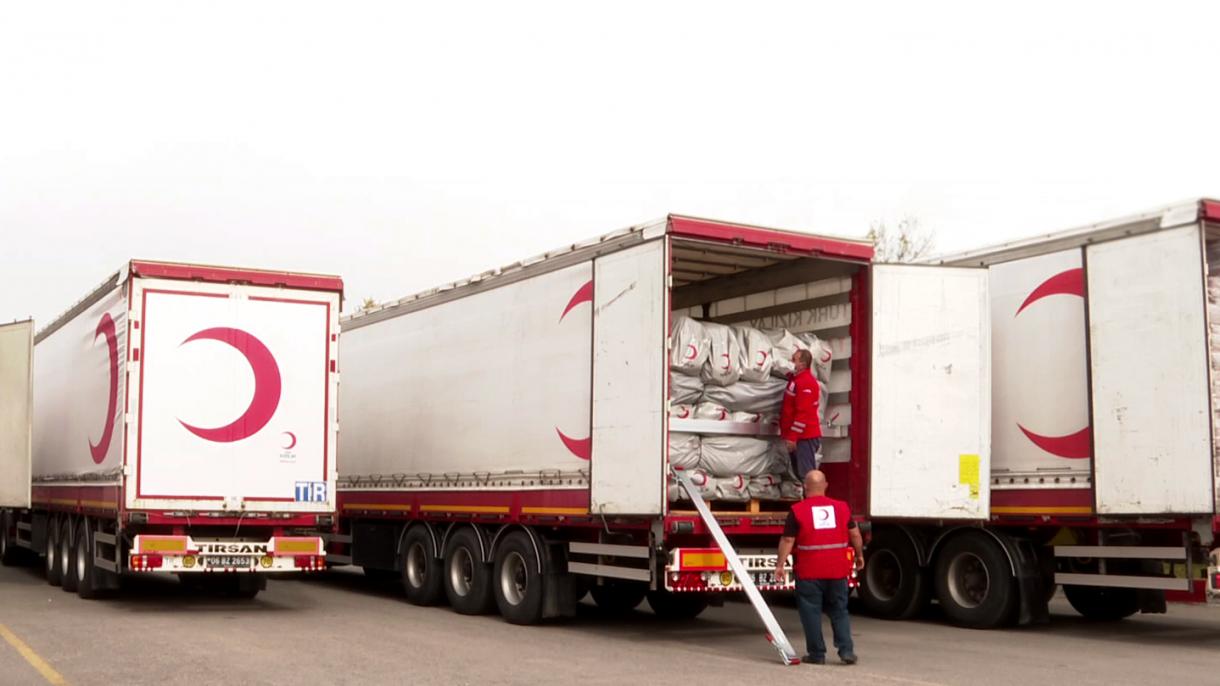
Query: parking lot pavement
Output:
(341,628)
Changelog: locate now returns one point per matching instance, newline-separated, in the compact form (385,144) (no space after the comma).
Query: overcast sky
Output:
(402,145)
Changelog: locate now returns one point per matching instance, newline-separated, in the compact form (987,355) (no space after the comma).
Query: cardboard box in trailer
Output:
(507,440)
(182,420)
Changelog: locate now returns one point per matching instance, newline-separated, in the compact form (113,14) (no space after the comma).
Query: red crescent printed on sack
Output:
(727,362)
(694,352)
(684,415)
(1078,445)
(105,328)
(266,386)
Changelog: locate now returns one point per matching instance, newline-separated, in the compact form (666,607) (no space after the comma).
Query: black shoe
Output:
(811,660)
(849,659)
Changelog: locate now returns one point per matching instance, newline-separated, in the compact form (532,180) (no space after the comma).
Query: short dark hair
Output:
(804,357)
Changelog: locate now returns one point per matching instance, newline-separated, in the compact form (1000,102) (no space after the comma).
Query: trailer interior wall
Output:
(16,350)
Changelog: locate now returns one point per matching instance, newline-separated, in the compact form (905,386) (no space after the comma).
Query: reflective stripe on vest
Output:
(832,546)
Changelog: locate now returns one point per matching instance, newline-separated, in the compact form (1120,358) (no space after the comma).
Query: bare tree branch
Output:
(907,242)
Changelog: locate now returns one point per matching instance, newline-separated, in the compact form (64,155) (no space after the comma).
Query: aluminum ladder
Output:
(775,633)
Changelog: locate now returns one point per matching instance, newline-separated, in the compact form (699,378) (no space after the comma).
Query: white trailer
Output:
(504,439)
(183,420)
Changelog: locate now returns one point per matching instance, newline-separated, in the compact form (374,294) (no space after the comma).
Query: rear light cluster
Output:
(146,562)
(687,581)
(309,562)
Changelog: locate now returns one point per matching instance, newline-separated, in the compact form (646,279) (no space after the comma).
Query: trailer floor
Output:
(341,628)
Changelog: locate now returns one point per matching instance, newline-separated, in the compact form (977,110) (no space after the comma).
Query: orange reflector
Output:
(293,546)
(161,544)
(702,560)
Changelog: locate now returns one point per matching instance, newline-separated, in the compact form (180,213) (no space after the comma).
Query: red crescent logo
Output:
(685,413)
(105,327)
(1070,282)
(823,515)
(583,295)
(694,352)
(292,440)
(266,386)
(727,362)
(762,357)
(1077,445)
(580,447)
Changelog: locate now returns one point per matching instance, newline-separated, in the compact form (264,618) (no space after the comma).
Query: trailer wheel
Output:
(467,577)
(53,567)
(974,582)
(1103,604)
(67,560)
(86,574)
(518,584)
(893,586)
(421,569)
(677,606)
(618,597)
(10,553)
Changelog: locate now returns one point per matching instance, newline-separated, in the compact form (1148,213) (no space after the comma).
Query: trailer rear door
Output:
(233,389)
(1148,361)
(16,401)
(931,393)
(630,311)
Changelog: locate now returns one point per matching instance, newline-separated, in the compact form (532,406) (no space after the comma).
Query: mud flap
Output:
(1033,607)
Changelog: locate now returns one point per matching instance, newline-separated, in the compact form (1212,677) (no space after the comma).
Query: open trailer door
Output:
(930,437)
(16,401)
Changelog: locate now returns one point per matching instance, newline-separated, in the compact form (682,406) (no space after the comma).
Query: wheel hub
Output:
(969,581)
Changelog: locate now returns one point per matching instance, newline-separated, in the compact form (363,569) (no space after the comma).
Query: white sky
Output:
(402,145)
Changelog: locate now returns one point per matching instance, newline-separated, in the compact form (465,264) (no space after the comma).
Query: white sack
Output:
(725,456)
(688,348)
(791,489)
(681,411)
(723,365)
(684,390)
(711,411)
(683,450)
(745,417)
(783,344)
(756,353)
(731,488)
(763,397)
(765,487)
(699,478)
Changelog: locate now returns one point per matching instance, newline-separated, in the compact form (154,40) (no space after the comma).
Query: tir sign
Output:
(311,492)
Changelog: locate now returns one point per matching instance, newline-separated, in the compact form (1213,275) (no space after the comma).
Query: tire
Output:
(1103,604)
(618,597)
(677,606)
(86,574)
(467,578)
(422,571)
(10,552)
(893,585)
(53,567)
(518,586)
(68,577)
(974,582)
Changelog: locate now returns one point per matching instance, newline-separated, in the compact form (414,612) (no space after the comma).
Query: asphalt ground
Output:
(342,628)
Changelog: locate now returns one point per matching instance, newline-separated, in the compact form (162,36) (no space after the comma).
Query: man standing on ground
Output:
(823,533)
(798,419)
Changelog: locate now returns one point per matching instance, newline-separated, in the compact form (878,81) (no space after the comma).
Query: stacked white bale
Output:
(723,366)
(704,484)
(684,450)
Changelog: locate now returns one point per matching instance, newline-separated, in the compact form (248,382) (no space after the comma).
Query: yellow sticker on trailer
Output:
(968,473)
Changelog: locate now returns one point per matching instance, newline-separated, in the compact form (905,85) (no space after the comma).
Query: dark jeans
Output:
(811,595)
(805,459)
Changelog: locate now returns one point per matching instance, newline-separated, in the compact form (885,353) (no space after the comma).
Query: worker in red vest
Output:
(824,537)
(798,419)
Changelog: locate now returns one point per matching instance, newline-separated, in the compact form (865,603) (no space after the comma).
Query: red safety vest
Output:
(823,550)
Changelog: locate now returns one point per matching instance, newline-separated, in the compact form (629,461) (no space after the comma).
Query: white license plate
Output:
(764,578)
(228,561)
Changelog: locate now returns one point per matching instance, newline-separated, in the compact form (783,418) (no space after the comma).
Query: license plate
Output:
(228,561)
(764,578)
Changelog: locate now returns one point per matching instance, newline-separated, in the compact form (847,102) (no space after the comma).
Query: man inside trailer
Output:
(798,419)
